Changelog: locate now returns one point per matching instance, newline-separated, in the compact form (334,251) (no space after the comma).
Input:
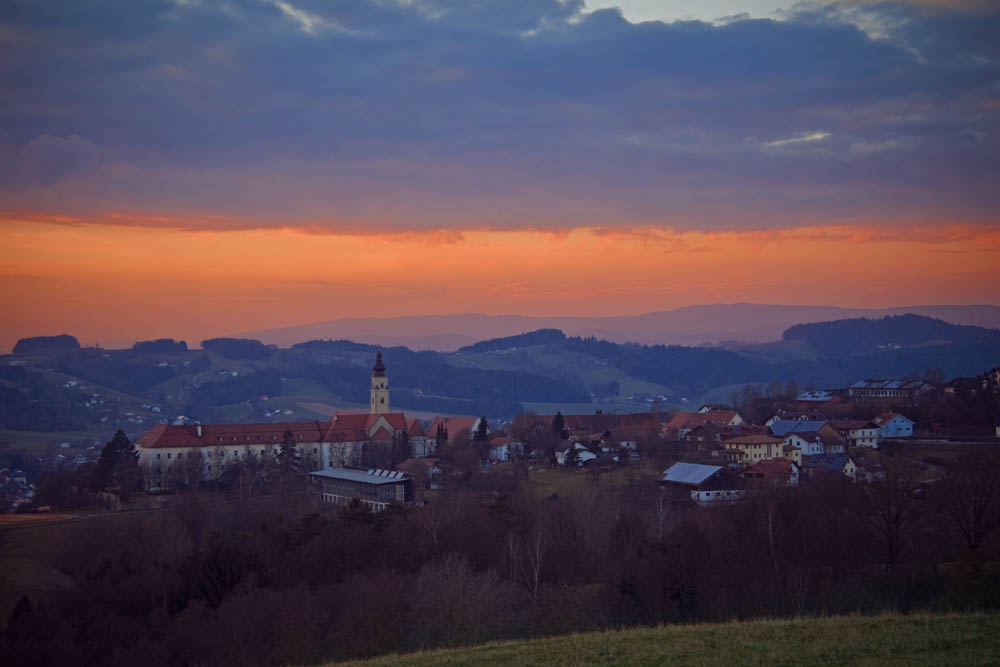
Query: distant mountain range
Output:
(55,385)
(690,325)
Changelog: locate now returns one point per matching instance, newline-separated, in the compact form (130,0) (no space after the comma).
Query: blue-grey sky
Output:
(437,113)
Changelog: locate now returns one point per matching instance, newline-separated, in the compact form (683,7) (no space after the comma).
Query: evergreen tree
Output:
(400,448)
(559,426)
(482,432)
(288,453)
(572,457)
(441,437)
(118,466)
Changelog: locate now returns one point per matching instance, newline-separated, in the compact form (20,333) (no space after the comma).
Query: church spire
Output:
(380,388)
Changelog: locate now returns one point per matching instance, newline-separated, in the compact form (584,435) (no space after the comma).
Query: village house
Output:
(778,472)
(857,432)
(683,423)
(808,443)
(808,430)
(703,483)
(756,447)
(614,430)
(841,463)
(583,454)
(894,425)
(505,448)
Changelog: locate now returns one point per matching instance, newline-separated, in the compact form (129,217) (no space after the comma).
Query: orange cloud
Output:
(111,283)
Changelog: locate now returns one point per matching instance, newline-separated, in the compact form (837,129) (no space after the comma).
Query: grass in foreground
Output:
(950,639)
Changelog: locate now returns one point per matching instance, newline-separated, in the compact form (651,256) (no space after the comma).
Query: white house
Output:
(808,445)
(857,432)
(706,484)
(582,454)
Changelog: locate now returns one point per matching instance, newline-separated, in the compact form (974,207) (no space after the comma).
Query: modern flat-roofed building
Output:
(374,487)
(900,391)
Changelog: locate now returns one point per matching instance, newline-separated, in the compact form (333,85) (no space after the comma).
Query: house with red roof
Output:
(684,422)
(776,472)
(894,425)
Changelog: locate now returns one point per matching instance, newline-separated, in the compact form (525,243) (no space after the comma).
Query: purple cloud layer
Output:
(527,112)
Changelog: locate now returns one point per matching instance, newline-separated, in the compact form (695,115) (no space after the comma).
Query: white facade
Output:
(808,447)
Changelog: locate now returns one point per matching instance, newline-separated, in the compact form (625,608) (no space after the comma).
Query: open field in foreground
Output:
(952,639)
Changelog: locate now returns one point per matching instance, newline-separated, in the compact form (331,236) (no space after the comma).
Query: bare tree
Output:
(892,509)
(532,565)
(972,500)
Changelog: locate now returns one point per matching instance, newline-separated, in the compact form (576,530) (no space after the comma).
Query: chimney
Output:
(199,429)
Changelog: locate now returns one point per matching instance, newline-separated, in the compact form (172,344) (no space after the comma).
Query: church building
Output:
(168,451)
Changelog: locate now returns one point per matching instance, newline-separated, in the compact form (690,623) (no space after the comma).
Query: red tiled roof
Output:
(772,468)
(886,417)
(367,421)
(382,434)
(338,433)
(217,435)
(416,428)
(351,419)
(690,420)
(454,425)
(753,439)
(397,420)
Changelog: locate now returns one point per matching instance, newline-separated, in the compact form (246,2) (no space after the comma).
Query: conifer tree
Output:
(482,430)
(288,453)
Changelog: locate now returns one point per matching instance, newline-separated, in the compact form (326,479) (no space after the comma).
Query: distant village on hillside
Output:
(711,454)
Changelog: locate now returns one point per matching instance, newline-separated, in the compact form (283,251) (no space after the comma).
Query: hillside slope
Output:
(689,325)
(954,639)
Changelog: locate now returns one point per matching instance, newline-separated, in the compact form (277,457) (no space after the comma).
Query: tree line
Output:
(282,579)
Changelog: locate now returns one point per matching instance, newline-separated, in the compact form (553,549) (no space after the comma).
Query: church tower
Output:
(380,388)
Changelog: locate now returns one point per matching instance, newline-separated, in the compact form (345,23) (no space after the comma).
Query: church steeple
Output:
(380,388)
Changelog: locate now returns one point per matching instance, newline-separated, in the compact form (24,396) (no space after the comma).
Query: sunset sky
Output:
(192,168)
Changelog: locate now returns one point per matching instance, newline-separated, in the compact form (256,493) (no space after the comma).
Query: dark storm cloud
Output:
(502,113)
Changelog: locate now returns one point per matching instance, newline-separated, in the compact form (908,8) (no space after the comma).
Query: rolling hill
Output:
(690,325)
(92,390)
(887,640)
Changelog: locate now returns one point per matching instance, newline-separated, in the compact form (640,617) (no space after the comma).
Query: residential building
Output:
(505,448)
(857,432)
(808,430)
(808,443)
(705,484)
(894,425)
(583,454)
(778,472)
(756,447)
(841,463)
(684,422)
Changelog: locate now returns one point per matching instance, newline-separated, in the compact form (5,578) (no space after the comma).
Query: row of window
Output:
(221,453)
(247,438)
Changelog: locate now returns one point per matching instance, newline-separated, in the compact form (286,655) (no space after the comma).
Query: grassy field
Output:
(42,443)
(27,551)
(542,483)
(955,639)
